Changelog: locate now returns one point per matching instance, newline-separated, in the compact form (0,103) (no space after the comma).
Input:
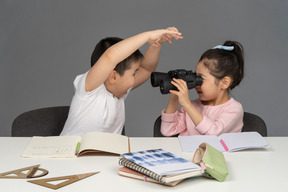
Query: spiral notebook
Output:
(160,165)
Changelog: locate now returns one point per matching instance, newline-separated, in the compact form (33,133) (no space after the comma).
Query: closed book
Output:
(126,172)
(160,165)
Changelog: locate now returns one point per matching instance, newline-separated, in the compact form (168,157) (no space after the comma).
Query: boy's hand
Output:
(162,35)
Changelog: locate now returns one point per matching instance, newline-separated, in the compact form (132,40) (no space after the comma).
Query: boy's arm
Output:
(120,51)
(148,65)
(151,58)
(111,57)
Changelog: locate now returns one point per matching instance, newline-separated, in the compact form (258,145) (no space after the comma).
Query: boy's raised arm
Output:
(120,51)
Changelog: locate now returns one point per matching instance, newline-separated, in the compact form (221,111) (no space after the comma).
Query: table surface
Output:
(253,169)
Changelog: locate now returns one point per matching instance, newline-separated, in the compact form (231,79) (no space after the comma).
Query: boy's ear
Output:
(113,77)
(226,82)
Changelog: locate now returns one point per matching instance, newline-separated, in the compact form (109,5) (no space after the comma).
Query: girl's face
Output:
(210,92)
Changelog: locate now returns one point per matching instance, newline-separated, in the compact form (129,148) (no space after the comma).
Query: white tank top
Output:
(95,111)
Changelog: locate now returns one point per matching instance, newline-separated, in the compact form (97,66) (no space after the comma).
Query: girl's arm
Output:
(173,120)
(184,100)
(172,104)
(173,123)
(230,121)
(120,51)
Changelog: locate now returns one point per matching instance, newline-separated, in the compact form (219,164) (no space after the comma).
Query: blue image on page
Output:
(161,162)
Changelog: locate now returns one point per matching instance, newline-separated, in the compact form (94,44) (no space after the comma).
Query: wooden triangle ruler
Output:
(67,180)
(20,173)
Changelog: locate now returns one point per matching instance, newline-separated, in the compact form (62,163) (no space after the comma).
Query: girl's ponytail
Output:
(238,61)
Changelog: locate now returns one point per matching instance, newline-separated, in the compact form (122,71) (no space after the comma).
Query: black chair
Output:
(157,127)
(40,122)
(251,122)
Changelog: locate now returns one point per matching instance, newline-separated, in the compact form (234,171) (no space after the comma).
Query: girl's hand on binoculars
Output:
(182,93)
(160,36)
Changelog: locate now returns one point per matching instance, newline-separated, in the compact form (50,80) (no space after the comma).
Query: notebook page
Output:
(105,142)
(244,140)
(46,147)
(191,143)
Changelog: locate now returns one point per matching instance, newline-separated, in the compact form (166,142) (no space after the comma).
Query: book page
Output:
(244,140)
(105,142)
(46,147)
(191,143)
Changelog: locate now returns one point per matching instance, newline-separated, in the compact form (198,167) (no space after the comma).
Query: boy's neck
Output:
(109,87)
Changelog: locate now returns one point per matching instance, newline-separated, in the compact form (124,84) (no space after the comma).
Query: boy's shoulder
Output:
(79,78)
(79,86)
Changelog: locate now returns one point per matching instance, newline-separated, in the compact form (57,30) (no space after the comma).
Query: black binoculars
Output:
(164,79)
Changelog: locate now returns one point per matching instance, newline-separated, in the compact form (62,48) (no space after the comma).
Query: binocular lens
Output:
(166,86)
(157,77)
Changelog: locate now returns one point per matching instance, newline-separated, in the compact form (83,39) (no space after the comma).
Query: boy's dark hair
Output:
(226,63)
(121,67)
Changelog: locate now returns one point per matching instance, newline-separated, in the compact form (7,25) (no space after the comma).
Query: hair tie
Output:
(227,48)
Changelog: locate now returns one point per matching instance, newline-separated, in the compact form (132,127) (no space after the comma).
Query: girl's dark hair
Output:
(121,67)
(223,63)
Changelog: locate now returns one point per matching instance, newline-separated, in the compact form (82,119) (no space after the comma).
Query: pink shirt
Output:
(224,118)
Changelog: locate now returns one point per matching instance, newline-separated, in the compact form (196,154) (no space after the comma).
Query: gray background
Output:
(44,45)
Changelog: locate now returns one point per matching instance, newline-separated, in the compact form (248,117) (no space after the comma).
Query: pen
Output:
(77,148)
(224,145)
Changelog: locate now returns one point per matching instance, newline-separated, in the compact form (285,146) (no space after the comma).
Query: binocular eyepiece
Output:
(164,79)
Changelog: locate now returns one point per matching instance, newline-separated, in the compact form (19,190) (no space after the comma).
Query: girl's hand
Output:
(162,35)
(182,93)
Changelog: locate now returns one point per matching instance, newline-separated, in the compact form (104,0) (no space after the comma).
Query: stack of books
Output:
(157,166)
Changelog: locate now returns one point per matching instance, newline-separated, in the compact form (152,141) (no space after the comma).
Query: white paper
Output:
(233,141)
(244,140)
(43,147)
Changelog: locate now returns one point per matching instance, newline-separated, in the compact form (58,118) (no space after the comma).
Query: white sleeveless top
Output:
(95,111)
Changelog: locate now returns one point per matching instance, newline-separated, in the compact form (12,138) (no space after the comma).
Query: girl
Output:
(214,112)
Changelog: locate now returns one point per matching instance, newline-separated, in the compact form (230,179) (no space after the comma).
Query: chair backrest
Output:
(40,122)
(157,128)
(251,122)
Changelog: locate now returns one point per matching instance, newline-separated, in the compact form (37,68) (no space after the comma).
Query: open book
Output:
(225,142)
(73,146)
(160,165)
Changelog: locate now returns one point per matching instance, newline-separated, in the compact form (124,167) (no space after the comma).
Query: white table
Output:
(250,170)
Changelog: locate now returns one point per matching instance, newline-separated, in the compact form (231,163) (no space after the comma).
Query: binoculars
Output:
(164,79)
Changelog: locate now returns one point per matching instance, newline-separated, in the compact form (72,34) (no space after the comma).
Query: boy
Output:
(117,67)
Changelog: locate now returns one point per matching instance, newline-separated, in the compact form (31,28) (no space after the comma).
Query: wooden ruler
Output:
(24,173)
(66,180)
